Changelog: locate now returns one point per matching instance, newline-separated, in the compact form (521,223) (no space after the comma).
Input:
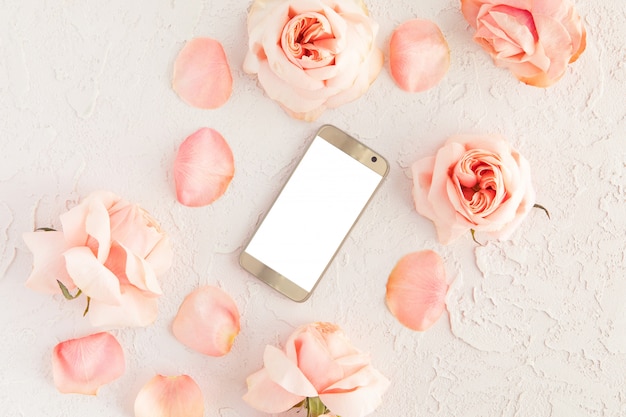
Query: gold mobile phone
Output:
(314,212)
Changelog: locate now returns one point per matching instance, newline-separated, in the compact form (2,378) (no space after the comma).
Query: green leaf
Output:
(45,229)
(66,292)
(539,206)
(315,407)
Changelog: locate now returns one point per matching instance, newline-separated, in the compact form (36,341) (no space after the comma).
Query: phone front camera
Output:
(374,159)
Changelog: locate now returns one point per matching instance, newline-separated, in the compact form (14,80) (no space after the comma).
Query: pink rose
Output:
(473,183)
(110,250)
(534,39)
(311,55)
(317,361)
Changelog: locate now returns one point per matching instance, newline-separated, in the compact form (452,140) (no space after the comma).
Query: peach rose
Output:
(473,183)
(535,40)
(111,251)
(310,55)
(318,361)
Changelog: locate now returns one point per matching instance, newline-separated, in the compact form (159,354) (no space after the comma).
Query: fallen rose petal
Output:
(203,168)
(170,396)
(416,290)
(202,76)
(83,365)
(419,56)
(207,321)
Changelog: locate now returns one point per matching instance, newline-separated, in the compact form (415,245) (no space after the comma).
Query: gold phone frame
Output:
(356,150)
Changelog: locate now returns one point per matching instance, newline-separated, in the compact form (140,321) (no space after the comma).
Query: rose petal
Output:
(286,373)
(267,396)
(207,321)
(419,56)
(416,290)
(83,365)
(201,74)
(48,262)
(316,362)
(344,400)
(136,309)
(170,396)
(93,278)
(203,168)
(74,221)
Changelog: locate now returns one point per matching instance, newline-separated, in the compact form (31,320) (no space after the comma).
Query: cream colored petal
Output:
(416,290)
(93,278)
(48,262)
(267,396)
(170,396)
(207,321)
(136,309)
(202,75)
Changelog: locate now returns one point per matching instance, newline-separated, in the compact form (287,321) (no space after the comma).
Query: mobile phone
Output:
(314,212)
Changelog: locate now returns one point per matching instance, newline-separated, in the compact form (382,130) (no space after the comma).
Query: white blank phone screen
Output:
(313,213)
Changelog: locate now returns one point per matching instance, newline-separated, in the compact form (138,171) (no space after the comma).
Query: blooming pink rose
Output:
(473,183)
(317,361)
(111,251)
(534,39)
(311,55)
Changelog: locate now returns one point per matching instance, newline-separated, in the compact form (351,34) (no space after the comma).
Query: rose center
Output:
(308,41)
(479,181)
(510,31)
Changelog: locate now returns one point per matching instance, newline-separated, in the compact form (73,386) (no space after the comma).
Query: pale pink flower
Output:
(207,321)
(110,250)
(310,55)
(201,74)
(170,396)
(83,365)
(416,290)
(534,39)
(419,56)
(317,361)
(473,183)
(203,168)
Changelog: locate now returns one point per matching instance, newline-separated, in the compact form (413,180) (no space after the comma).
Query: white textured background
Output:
(536,325)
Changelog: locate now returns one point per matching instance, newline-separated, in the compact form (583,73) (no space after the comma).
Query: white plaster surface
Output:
(536,325)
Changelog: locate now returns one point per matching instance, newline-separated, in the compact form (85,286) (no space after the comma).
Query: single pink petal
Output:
(419,56)
(201,74)
(267,396)
(48,262)
(207,321)
(83,365)
(170,396)
(416,290)
(203,168)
